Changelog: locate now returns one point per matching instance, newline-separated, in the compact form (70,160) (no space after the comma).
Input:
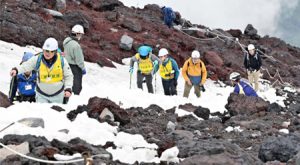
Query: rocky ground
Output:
(252,131)
(106,21)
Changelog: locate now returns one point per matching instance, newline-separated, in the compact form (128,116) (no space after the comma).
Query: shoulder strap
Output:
(38,62)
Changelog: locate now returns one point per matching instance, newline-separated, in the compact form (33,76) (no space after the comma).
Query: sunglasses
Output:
(51,52)
(163,56)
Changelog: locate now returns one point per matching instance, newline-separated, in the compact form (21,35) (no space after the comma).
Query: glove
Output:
(83,71)
(131,70)
(202,88)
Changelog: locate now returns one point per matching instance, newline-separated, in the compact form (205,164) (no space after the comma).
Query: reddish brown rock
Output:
(4,101)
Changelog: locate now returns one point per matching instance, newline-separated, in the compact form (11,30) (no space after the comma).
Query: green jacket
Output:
(73,52)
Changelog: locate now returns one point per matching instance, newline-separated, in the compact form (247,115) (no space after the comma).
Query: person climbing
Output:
(169,16)
(74,56)
(169,72)
(23,84)
(252,63)
(195,74)
(147,66)
(54,76)
(241,86)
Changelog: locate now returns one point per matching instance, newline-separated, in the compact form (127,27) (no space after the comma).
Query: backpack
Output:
(169,14)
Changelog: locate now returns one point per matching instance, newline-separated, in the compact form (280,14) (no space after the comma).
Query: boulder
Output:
(96,105)
(245,105)
(220,159)
(126,42)
(102,5)
(235,32)
(280,148)
(251,32)
(32,122)
(132,25)
(188,107)
(4,101)
(112,16)
(22,148)
(72,18)
(202,112)
(274,107)
(213,58)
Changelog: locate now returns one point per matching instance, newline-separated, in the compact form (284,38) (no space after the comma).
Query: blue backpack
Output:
(169,14)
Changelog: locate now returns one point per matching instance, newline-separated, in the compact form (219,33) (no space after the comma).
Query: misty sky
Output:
(270,17)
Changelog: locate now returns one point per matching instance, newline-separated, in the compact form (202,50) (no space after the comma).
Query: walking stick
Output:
(155,84)
(130,81)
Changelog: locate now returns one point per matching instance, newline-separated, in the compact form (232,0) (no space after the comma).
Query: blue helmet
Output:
(27,56)
(144,50)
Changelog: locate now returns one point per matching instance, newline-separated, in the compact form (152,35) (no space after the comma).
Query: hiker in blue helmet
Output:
(147,66)
(24,84)
(144,50)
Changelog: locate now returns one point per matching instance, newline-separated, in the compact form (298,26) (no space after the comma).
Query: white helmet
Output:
(251,47)
(163,52)
(195,54)
(50,44)
(78,29)
(234,76)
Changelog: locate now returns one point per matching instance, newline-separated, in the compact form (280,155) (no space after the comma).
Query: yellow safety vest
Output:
(53,74)
(166,72)
(145,65)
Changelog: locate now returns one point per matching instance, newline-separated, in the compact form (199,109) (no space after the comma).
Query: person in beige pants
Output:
(252,63)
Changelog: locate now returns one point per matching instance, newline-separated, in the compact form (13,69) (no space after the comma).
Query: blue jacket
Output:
(26,86)
(174,67)
(169,16)
(248,90)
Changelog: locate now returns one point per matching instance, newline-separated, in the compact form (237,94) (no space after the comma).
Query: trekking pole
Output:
(12,82)
(155,84)
(7,126)
(130,80)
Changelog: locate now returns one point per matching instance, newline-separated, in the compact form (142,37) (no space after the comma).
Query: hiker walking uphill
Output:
(241,86)
(147,66)
(75,58)
(194,74)
(169,72)
(252,63)
(24,84)
(54,76)
(169,16)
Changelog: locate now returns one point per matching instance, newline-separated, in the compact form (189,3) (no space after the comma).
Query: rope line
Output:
(219,34)
(50,161)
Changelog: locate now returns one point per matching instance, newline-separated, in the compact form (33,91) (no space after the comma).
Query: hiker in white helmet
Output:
(252,63)
(195,74)
(241,86)
(169,72)
(54,76)
(74,56)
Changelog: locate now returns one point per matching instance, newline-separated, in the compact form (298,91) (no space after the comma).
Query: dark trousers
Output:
(21,98)
(77,81)
(140,80)
(169,87)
